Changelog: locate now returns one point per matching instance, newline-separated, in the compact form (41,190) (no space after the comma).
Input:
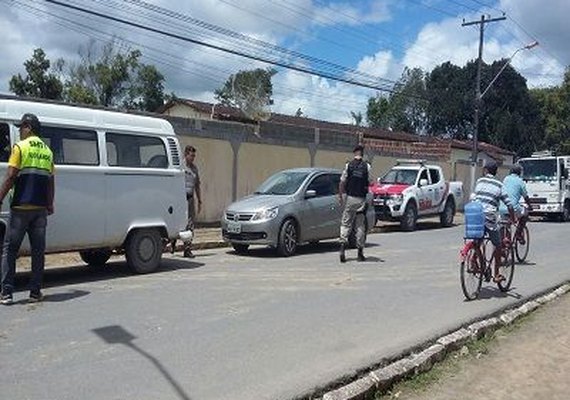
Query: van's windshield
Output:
(282,183)
(539,170)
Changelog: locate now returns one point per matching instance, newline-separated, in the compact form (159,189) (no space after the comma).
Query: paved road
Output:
(252,327)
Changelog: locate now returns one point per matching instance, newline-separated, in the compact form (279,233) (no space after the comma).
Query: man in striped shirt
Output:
(489,191)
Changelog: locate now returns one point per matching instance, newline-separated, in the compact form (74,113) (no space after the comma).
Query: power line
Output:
(279,63)
(104,36)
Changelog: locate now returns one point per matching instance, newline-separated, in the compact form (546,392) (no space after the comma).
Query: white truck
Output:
(548,186)
(413,189)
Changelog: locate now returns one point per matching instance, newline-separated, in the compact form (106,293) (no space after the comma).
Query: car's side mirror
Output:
(379,180)
(423,182)
(309,194)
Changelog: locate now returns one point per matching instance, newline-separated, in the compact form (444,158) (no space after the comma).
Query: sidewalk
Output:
(531,362)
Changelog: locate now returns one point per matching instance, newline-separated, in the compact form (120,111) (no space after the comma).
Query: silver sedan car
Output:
(291,207)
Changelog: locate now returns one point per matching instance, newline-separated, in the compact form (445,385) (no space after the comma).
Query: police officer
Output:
(30,175)
(354,182)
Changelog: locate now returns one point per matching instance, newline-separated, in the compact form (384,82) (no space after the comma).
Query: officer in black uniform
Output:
(354,182)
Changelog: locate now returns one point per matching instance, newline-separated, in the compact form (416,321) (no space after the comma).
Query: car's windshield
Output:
(400,176)
(282,183)
(539,170)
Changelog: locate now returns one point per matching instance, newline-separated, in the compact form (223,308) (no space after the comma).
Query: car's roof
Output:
(312,170)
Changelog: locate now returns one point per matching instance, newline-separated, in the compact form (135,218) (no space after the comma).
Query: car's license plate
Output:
(535,207)
(234,227)
(379,202)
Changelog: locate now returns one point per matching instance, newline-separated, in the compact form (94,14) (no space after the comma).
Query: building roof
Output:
(222,112)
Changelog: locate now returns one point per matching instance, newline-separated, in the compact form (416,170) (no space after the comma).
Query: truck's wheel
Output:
(288,237)
(408,220)
(144,250)
(446,217)
(240,248)
(565,214)
(95,257)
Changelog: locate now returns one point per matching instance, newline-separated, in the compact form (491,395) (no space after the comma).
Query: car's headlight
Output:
(396,199)
(268,213)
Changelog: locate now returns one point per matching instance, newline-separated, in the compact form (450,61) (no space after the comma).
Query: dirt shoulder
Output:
(530,360)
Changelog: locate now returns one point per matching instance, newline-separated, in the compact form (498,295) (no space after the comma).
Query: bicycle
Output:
(522,241)
(476,266)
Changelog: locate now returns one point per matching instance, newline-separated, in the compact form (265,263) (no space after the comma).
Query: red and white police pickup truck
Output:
(413,189)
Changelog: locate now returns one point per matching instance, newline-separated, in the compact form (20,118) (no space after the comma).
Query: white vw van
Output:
(118,178)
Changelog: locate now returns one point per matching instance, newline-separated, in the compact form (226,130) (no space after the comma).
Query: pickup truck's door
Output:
(440,190)
(425,193)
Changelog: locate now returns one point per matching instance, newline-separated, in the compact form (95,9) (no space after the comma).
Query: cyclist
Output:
(489,191)
(516,189)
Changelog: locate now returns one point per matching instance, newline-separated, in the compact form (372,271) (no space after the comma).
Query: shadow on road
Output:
(491,292)
(116,334)
(311,248)
(58,297)
(420,226)
(70,275)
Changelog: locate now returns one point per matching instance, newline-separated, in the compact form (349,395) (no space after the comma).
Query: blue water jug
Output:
(474,220)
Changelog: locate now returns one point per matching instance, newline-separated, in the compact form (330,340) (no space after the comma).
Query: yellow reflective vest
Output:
(32,184)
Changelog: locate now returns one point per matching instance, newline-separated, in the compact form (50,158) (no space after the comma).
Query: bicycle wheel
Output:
(507,268)
(472,267)
(521,249)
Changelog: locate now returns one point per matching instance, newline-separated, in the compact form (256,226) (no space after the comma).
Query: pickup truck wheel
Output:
(144,250)
(446,217)
(408,221)
(288,237)
(95,257)
(240,248)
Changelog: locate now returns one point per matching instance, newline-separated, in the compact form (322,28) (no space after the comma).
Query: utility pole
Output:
(475,152)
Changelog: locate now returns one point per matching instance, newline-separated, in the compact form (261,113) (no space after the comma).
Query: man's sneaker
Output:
(342,255)
(36,297)
(188,253)
(7,299)
(361,255)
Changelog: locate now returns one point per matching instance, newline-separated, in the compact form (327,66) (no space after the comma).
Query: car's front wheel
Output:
(288,237)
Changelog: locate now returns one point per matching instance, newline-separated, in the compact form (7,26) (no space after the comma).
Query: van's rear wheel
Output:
(144,250)
(95,257)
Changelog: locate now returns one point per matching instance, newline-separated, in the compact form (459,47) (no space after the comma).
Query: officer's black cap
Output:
(359,148)
(32,120)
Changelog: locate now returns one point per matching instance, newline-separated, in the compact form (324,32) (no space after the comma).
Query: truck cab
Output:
(548,186)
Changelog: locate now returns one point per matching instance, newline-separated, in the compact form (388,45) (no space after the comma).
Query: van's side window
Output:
(135,151)
(71,146)
(4,142)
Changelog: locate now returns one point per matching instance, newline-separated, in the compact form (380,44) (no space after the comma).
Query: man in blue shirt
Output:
(516,189)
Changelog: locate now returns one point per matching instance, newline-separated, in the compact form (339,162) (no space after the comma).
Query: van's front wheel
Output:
(144,250)
(95,257)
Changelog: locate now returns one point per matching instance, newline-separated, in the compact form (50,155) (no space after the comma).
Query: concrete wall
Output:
(235,158)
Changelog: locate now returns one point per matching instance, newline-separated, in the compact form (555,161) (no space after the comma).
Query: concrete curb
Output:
(383,378)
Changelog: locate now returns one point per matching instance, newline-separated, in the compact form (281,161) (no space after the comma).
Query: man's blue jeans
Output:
(32,222)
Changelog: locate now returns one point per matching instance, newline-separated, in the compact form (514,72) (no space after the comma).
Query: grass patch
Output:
(453,362)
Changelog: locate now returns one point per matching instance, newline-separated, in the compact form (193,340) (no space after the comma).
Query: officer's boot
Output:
(342,255)
(361,254)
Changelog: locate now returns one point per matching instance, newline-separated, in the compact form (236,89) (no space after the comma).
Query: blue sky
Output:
(375,37)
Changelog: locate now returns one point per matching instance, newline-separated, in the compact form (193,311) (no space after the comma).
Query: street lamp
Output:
(478,99)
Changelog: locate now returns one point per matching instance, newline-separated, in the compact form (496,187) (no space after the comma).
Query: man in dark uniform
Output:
(354,182)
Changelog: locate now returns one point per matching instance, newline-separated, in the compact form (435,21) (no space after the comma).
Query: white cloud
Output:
(349,14)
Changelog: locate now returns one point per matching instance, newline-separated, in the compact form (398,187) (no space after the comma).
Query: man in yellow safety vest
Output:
(30,177)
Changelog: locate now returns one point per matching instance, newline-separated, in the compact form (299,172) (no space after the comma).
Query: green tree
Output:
(39,81)
(250,91)
(109,77)
(449,98)
(405,108)
(554,105)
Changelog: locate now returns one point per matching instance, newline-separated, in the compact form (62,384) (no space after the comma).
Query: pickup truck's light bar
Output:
(410,161)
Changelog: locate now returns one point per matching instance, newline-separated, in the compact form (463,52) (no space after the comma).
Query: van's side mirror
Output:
(309,194)
(423,182)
